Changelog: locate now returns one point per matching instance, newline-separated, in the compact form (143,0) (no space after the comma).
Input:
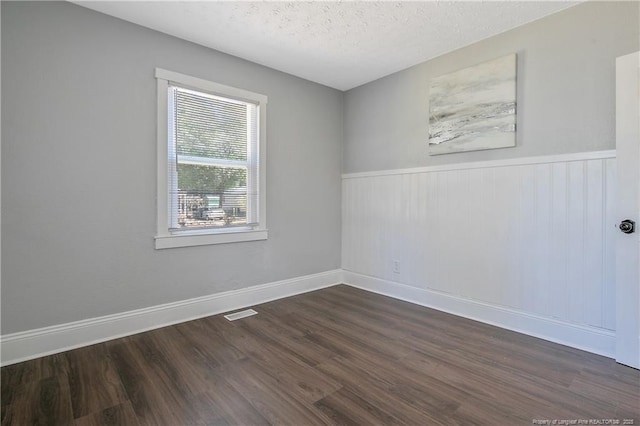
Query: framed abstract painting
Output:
(474,108)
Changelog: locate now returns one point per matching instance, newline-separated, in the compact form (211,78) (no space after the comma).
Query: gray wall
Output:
(566,96)
(79,170)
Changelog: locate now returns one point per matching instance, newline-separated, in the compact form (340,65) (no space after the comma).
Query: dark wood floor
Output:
(335,356)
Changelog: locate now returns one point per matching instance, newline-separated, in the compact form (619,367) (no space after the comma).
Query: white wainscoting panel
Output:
(532,235)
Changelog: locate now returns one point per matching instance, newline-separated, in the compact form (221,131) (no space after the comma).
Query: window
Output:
(211,175)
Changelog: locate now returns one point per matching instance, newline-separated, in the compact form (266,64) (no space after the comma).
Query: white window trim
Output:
(164,237)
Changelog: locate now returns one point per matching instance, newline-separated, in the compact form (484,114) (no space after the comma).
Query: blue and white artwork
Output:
(474,108)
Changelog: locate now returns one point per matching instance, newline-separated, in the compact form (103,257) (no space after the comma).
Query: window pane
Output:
(211,127)
(211,196)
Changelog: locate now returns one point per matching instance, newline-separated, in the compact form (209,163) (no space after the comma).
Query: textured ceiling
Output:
(338,44)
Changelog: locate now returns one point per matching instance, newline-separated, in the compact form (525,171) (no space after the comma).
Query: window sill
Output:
(201,239)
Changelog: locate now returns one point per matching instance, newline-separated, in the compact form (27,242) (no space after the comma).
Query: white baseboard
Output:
(32,344)
(591,339)
(22,346)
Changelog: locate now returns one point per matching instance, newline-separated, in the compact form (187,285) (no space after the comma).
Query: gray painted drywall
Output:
(566,92)
(79,170)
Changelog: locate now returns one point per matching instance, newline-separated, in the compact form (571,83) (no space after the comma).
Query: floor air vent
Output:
(241,314)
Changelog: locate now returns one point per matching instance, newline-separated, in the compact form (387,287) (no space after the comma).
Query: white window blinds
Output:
(213,160)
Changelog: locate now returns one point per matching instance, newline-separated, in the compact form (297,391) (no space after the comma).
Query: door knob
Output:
(628,226)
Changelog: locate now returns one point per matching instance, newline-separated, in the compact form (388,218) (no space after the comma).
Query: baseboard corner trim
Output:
(31,344)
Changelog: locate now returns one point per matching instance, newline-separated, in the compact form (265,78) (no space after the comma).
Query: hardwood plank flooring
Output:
(94,380)
(334,356)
